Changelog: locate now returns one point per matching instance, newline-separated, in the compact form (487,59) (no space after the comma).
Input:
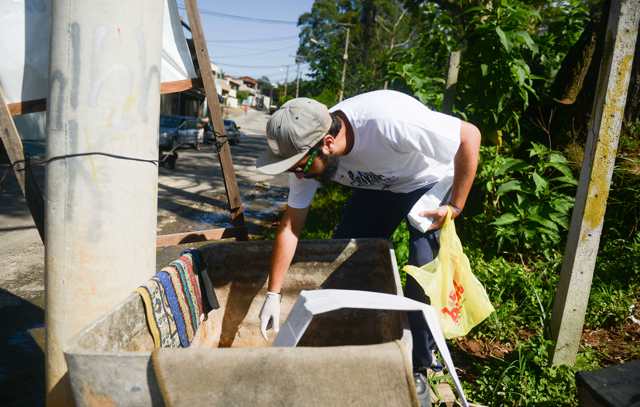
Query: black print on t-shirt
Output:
(370,178)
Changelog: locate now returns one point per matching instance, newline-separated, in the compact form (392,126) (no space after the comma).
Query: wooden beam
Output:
(30,106)
(579,261)
(40,105)
(13,145)
(180,86)
(215,113)
(200,236)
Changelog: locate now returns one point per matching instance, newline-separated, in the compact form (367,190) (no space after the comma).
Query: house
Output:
(234,87)
(250,83)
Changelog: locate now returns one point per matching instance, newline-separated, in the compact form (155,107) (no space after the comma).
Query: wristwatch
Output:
(457,211)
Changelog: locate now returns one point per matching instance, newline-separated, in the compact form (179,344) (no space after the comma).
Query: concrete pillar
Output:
(587,219)
(101,181)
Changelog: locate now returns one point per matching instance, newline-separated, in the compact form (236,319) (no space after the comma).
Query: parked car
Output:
(167,155)
(190,133)
(232,130)
(177,132)
(168,131)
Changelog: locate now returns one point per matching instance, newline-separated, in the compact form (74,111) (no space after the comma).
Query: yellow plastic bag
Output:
(455,293)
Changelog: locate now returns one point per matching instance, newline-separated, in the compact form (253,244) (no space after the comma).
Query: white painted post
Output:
(572,295)
(102,175)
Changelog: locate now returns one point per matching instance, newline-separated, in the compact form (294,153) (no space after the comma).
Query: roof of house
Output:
(249,80)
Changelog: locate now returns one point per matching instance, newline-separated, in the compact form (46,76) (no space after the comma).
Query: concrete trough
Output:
(110,360)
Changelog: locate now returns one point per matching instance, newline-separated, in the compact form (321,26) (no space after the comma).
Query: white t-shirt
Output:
(400,145)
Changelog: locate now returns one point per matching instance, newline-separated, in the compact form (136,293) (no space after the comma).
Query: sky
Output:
(240,41)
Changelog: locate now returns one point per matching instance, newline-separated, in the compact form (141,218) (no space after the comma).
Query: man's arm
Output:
(285,245)
(284,248)
(465,164)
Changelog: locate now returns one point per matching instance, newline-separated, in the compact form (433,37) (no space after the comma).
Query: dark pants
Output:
(377,214)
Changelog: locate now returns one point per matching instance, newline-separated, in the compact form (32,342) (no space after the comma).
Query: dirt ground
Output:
(190,197)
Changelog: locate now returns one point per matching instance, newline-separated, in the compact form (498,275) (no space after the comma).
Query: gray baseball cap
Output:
(292,130)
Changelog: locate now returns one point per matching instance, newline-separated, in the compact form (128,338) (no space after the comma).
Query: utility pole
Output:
(298,61)
(270,98)
(102,174)
(345,58)
(286,81)
(572,295)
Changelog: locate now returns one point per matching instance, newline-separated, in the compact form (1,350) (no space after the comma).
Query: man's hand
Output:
(270,314)
(439,215)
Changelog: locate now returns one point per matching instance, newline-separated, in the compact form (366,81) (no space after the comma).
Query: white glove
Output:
(270,312)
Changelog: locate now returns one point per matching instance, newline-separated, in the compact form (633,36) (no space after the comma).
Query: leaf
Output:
(503,39)
(563,168)
(509,186)
(513,164)
(528,41)
(519,74)
(561,220)
(543,222)
(557,158)
(541,183)
(484,68)
(505,219)
(565,180)
(561,205)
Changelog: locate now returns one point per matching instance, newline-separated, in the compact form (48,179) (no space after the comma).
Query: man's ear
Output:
(328,144)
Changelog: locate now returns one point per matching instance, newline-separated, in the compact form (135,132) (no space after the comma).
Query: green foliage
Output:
(328,97)
(511,52)
(428,89)
(377,28)
(400,241)
(285,99)
(325,212)
(242,95)
(525,378)
(616,283)
(521,294)
(497,81)
(526,203)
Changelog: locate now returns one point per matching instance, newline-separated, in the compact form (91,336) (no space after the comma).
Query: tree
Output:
(375,33)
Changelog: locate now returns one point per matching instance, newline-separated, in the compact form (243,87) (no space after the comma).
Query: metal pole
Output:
(572,296)
(102,172)
(286,82)
(297,78)
(345,58)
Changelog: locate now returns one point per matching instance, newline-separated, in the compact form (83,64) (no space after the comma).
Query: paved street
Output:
(191,197)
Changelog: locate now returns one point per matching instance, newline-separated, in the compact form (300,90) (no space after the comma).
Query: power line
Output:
(244,18)
(236,47)
(251,66)
(257,39)
(253,53)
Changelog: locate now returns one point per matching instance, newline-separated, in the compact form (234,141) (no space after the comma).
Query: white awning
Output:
(24,66)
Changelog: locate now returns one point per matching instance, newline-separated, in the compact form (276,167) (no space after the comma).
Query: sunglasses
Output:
(307,166)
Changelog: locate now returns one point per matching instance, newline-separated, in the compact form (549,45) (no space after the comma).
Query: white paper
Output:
(316,302)
(431,200)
